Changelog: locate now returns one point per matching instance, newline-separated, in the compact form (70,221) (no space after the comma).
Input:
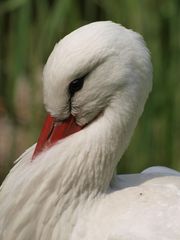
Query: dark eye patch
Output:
(76,85)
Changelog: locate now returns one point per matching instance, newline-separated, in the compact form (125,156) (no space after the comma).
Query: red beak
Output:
(53,131)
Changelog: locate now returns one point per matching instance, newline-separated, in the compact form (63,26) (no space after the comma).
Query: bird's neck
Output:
(84,163)
(75,170)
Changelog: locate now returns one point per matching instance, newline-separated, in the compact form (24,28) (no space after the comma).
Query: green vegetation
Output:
(28,31)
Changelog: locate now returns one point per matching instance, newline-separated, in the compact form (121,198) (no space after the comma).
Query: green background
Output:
(28,32)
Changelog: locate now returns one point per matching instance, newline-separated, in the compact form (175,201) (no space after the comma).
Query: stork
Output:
(95,82)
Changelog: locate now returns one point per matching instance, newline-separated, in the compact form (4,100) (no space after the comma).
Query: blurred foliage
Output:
(29,29)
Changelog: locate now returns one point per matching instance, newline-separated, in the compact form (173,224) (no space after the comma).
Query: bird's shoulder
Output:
(140,206)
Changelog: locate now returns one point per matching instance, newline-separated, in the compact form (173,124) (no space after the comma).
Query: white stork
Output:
(96,82)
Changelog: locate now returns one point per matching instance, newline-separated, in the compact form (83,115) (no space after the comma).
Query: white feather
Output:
(68,192)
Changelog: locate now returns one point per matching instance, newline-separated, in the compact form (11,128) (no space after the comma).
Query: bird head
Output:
(85,71)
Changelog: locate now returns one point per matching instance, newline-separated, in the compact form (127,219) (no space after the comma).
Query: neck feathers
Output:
(78,168)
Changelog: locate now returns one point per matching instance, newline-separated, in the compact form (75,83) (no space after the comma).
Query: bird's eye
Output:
(76,85)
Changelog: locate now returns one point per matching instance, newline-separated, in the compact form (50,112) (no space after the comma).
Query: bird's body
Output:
(69,191)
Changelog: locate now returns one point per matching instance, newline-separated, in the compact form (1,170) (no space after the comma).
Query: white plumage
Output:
(70,191)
